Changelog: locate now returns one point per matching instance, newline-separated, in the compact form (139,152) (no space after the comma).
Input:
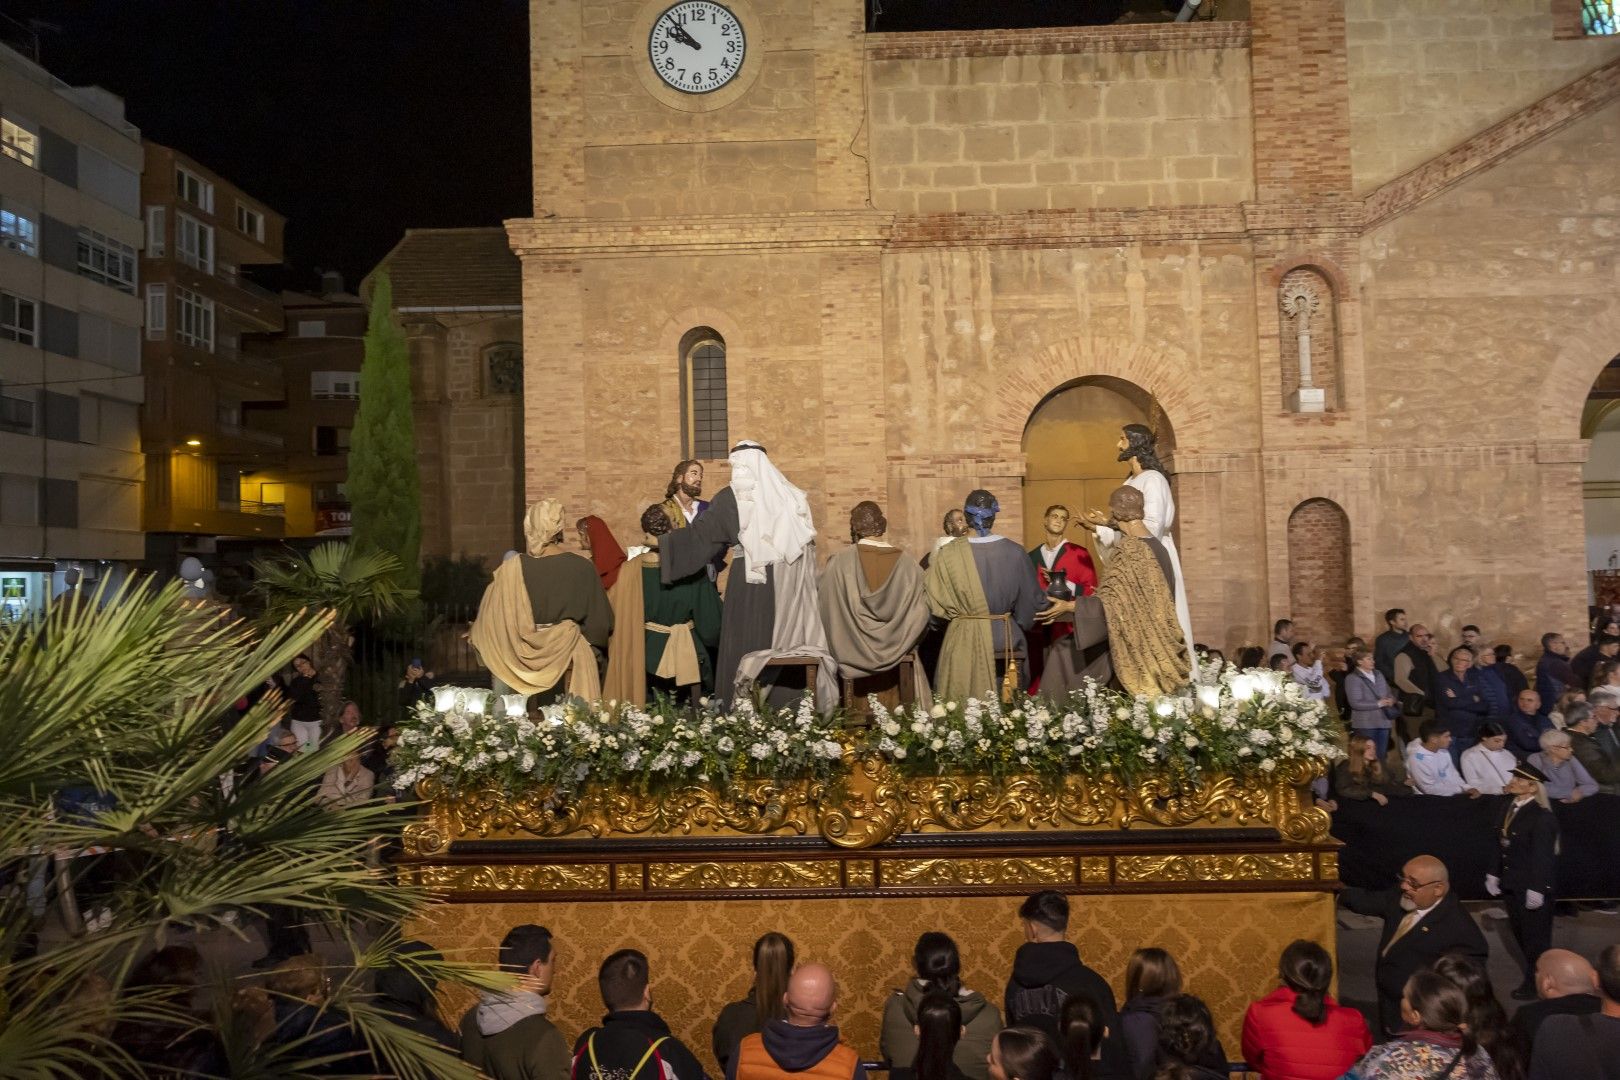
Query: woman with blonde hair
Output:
(1362,776)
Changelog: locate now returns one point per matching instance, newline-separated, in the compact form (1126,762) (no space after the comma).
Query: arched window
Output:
(503,369)
(703,394)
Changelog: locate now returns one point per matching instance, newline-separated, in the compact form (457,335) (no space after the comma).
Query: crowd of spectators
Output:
(1438,1014)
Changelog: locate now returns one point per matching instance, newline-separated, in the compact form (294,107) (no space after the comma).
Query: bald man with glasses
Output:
(1423,921)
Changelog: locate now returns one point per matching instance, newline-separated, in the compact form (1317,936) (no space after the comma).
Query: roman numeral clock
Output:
(697,46)
(701,54)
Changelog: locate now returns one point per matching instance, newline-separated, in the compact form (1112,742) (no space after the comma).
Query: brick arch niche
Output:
(1308,345)
(1319,572)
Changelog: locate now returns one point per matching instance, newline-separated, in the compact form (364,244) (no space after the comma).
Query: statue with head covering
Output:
(545,615)
(764,521)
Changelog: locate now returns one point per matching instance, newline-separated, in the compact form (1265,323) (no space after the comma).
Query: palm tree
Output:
(124,694)
(335,577)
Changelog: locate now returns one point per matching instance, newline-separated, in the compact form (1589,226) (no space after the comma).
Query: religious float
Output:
(1182,821)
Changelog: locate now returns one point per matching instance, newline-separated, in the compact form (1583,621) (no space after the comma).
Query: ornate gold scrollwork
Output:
(517,877)
(860,873)
(1294,866)
(719,877)
(874,803)
(1053,870)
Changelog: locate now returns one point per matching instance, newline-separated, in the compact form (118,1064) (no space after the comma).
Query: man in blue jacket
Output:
(1525,724)
(1459,701)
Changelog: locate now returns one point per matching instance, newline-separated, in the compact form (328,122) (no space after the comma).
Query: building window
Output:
(703,394)
(103,259)
(194,189)
(334,385)
(195,242)
(19,230)
(311,328)
(157,226)
(249,222)
(16,415)
(157,312)
(331,441)
(19,499)
(1600,17)
(19,319)
(503,369)
(59,503)
(193,319)
(19,141)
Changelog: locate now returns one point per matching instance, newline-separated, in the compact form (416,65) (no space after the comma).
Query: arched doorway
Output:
(1319,572)
(1071,450)
(1600,486)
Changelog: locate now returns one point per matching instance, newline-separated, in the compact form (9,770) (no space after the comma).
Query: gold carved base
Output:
(877,804)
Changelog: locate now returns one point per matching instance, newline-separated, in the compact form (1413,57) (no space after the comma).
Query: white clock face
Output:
(697,46)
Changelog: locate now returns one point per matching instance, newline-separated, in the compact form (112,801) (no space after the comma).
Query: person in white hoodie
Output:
(1488,765)
(508,1035)
(1428,762)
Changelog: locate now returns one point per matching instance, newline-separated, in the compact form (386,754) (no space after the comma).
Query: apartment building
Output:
(203,232)
(319,356)
(70,350)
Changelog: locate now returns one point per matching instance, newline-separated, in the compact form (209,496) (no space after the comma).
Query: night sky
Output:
(357,119)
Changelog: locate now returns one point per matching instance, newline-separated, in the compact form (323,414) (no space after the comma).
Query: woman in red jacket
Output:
(1298,1032)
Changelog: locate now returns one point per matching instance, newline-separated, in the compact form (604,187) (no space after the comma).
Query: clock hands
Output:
(679,33)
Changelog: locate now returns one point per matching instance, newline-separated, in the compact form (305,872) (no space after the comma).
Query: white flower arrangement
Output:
(573,743)
(1242,722)
(1238,722)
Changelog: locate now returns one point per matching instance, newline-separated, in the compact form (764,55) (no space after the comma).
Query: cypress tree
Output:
(385,496)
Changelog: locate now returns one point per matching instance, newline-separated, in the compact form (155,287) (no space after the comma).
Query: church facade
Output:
(1356,261)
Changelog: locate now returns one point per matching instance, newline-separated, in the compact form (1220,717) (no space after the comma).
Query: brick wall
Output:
(1145,127)
(1301,111)
(1427,74)
(1319,572)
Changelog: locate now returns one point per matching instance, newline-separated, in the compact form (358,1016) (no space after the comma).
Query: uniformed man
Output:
(1525,869)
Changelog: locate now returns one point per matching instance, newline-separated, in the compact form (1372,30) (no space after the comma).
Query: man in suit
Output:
(1422,921)
(1526,868)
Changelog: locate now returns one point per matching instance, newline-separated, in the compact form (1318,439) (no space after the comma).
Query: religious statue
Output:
(874,603)
(1137,445)
(680,624)
(985,586)
(1145,645)
(771,609)
(544,615)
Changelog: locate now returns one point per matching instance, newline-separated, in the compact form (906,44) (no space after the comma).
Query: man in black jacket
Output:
(633,1043)
(1567,986)
(1422,922)
(1047,970)
(1526,868)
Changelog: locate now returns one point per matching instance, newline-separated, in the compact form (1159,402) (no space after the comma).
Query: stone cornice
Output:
(1558,109)
(1132,37)
(552,238)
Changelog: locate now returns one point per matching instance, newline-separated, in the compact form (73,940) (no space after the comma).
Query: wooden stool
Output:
(810,665)
(855,706)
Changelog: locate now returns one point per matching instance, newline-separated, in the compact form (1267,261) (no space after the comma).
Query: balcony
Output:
(235,439)
(254,378)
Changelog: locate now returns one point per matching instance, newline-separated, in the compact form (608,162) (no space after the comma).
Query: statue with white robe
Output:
(1137,446)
